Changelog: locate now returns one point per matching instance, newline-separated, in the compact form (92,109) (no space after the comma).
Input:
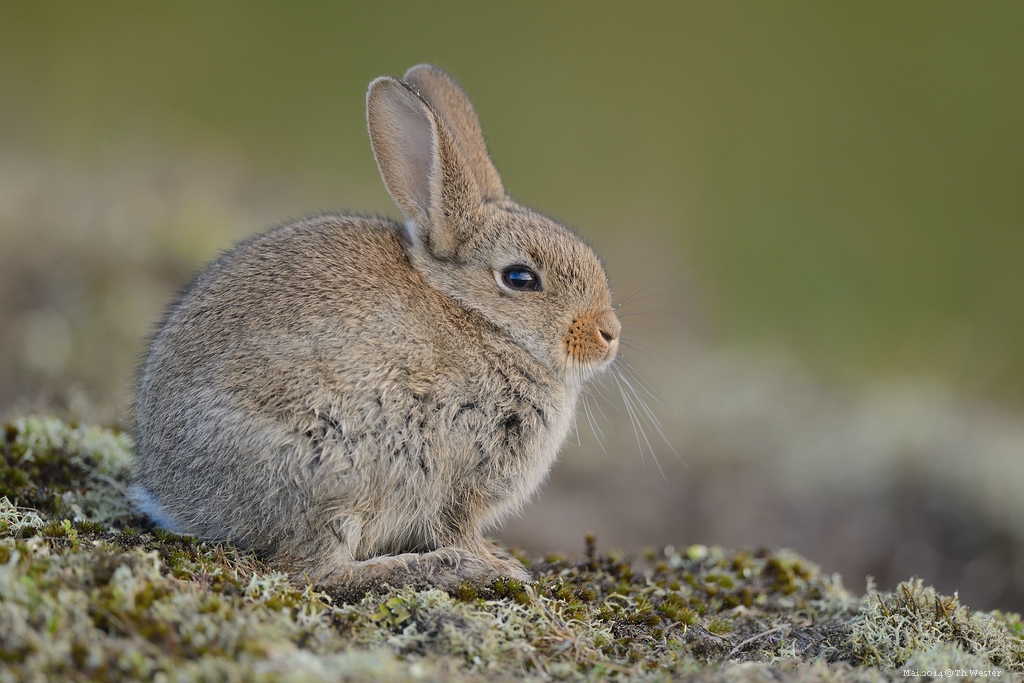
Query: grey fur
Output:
(359,401)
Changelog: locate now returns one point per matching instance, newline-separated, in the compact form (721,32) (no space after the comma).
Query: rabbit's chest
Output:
(487,430)
(501,433)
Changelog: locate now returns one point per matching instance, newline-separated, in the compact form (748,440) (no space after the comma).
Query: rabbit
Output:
(359,400)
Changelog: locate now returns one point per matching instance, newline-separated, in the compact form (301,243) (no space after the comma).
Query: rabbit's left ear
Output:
(423,167)
(449,100)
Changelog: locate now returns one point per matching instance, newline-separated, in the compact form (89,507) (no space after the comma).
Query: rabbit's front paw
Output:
(451,567)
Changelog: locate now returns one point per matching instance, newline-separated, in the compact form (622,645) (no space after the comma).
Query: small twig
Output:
(752,639)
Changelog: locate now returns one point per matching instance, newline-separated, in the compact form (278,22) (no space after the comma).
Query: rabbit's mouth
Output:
(592,342)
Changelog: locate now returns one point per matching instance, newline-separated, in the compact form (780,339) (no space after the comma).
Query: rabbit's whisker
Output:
(593,423)
(643,412)
(638,431)
(641,379)
(644,290)
(641,403)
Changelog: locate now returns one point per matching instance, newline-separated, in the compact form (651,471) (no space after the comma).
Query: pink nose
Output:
(609,326)
(593,338)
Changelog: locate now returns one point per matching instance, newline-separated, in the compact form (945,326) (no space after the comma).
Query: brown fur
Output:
(360,400)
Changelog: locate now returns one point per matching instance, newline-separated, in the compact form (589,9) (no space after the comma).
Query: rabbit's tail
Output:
(147,504)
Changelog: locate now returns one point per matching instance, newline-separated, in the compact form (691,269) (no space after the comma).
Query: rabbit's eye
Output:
(520,278)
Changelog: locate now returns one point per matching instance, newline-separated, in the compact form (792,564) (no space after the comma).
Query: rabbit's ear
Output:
(449,100)
(423,168)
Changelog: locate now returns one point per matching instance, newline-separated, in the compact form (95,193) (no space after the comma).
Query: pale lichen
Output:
(88,593)
(915,626)
(61,470)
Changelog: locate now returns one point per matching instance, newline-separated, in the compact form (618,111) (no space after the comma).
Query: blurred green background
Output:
(842,179)
(836,183)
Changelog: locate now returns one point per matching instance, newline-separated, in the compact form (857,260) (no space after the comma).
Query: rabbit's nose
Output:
(593,338)
(609,326)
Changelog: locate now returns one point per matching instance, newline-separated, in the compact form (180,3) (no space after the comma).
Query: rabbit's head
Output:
(521,271)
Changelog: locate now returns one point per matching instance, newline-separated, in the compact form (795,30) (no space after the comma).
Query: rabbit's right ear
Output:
(423,169)
(449,100)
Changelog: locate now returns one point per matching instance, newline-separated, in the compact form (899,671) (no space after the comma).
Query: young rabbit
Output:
(358,400)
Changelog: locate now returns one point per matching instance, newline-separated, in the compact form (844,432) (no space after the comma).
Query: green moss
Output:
(65,471)
(88,593)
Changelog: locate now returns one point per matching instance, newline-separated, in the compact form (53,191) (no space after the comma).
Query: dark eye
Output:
(520,278)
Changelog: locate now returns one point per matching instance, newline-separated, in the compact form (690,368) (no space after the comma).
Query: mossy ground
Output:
(87,592)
